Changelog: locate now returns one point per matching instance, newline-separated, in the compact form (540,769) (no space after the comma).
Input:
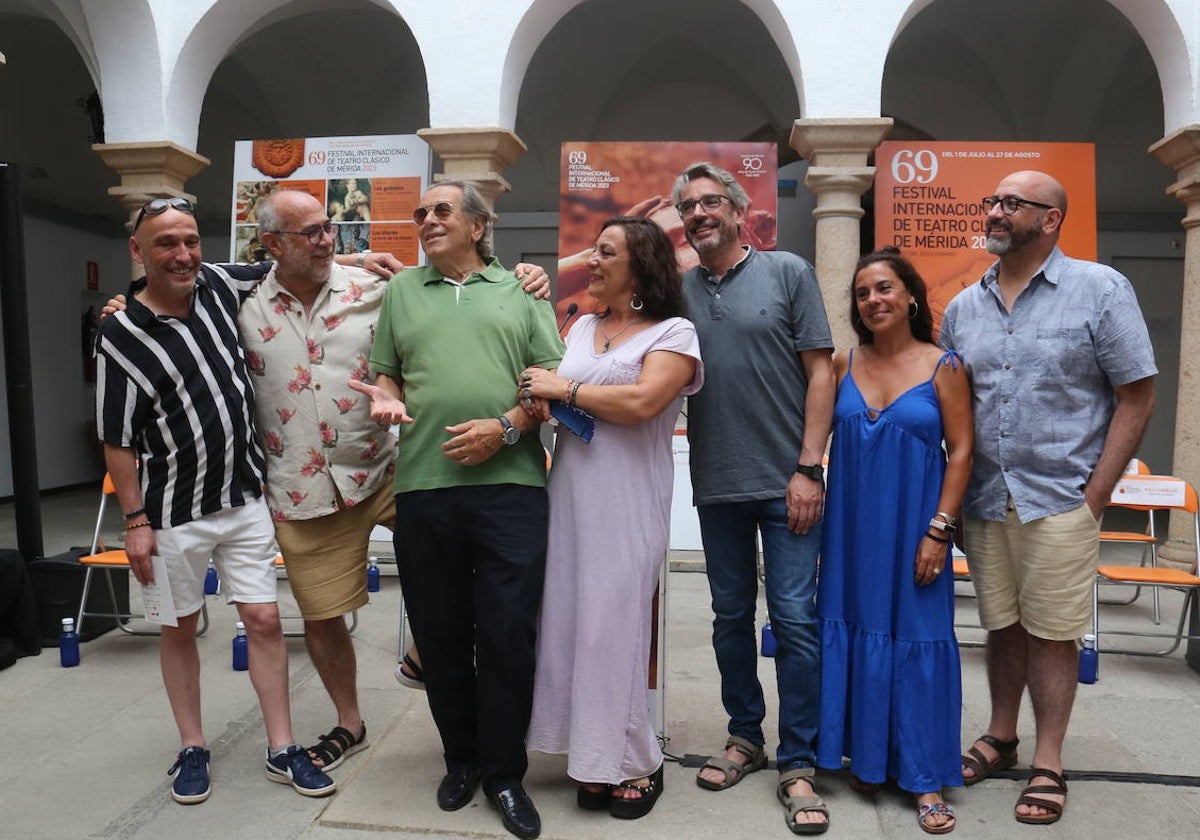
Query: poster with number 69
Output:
(928,203)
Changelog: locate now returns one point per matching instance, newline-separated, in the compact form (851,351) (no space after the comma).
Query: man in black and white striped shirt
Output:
(173,391)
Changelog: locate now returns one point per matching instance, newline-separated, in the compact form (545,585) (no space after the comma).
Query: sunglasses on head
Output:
(158,206)
(441,211)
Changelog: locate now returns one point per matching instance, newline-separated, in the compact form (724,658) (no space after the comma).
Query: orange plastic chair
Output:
(106,562)
(1152,493)
(1147,538)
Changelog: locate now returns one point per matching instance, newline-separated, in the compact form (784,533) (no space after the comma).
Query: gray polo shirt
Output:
(1043,378)
(746,426)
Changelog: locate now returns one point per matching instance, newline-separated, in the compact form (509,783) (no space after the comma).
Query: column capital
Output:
(1180,150)
(475,153)
(839,189)
(150,170)
(841,141)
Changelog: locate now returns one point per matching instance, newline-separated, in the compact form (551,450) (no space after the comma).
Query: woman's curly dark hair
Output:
(922,322)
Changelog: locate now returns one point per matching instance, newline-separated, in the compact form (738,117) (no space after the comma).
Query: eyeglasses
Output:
(441,211)
(709,202)
(1011,204)
(314,233)
(158,206)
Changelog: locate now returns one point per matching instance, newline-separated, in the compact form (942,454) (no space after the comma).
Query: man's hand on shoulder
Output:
(534,280)
(114,304)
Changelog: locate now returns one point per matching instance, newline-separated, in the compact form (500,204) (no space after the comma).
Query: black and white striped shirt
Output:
(178,392)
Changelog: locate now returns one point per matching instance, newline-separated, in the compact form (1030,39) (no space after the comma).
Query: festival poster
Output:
(599,180)
(928,204)
(369,186)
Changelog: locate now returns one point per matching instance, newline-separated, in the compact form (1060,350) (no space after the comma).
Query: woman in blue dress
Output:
(890,684)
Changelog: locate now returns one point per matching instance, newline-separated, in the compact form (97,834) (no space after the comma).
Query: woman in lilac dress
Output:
(629,366)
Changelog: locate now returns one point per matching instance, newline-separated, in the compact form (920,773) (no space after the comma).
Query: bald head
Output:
(1035,185)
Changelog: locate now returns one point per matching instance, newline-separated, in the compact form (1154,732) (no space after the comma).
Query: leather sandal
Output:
(974,760)
(1029,797)
(333,748)
(756,759)
(793,805)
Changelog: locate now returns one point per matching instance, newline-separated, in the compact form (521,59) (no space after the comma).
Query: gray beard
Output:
(998,247)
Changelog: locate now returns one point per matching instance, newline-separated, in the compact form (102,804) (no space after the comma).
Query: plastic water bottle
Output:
(68,644)
(1089,660)
(768,640)
(212,583)
(241,649)
(372,574)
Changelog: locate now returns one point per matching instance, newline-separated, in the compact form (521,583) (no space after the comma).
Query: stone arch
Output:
(543,15)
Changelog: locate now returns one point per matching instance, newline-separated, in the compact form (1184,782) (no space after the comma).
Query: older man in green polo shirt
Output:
(471,509)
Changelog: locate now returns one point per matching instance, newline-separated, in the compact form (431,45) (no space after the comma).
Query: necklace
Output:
(609,339)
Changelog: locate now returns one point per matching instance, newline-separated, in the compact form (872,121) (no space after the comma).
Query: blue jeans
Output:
(790,561)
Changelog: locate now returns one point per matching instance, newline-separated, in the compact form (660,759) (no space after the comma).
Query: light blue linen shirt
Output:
(1042,378)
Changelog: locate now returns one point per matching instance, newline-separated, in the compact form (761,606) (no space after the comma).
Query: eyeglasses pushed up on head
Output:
(711,203)
(441,211)
(158,206)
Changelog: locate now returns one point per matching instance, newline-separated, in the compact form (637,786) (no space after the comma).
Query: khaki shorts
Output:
(326,557)
(1039,574)
(241,543)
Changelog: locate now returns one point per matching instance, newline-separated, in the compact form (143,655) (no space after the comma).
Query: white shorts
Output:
(240,541)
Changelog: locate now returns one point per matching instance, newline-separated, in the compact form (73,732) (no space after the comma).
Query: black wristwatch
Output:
(511,433)
(814,471)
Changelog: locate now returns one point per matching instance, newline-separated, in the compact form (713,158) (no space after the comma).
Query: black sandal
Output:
(973,760)
(333,748)
(632,809)
(593,800)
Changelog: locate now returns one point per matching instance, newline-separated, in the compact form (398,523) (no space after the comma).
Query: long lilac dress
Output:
(610,516)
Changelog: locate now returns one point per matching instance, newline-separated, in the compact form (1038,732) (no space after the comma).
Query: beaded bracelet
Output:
(135,514)
(567,393)
(137,525)
(936,538)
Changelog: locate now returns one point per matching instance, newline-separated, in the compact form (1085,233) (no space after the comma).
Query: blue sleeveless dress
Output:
(891,692)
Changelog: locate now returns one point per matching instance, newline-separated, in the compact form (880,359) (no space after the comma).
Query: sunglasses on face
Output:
(441,211)
(158,206)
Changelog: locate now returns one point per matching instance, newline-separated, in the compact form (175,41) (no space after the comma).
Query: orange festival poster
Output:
(599,180)
(928,203)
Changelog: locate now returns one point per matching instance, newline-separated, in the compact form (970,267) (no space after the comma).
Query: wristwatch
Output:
(511,433)
(361,259)
(814,471)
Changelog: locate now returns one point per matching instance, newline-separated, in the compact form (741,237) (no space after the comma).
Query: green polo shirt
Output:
(459,350)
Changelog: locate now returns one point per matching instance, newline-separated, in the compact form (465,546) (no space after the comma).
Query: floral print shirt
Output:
(318,435)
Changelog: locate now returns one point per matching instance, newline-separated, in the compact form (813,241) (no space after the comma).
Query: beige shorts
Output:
(1039,574)
(326,557)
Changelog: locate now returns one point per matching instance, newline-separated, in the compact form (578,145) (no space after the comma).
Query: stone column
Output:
(476,154)
(836,151)
(149,170)
(1181,151)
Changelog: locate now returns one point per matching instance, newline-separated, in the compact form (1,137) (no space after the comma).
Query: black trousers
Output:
(472,561)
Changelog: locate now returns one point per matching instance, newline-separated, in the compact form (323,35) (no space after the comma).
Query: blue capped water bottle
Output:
(68,644)
(767,647)
(241,649)
(212,583)
(372,574)
(1089,660)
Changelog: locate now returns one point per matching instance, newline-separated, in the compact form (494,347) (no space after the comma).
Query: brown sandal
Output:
(756,759)
(1029,797)
(974,760)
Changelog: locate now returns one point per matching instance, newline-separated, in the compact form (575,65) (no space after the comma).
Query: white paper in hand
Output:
(156,597)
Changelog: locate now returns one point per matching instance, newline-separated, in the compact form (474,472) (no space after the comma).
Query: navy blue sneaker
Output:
(191,784)
(294,767)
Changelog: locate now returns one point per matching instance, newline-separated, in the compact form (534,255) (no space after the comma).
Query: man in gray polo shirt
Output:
(1063,374)
(757,433)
